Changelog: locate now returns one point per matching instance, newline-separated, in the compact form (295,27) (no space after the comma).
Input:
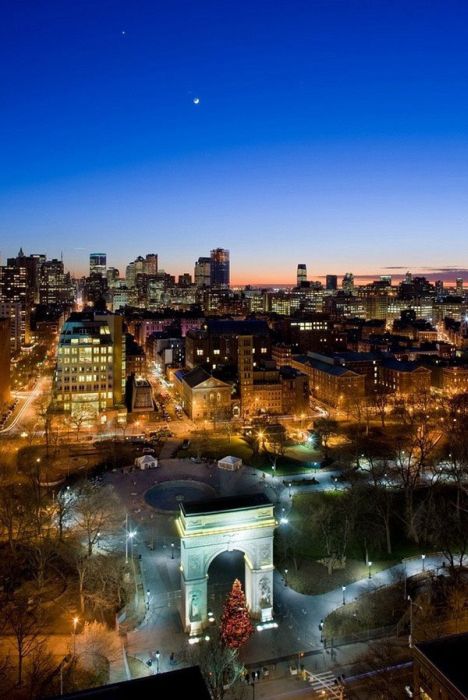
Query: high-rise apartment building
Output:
(459,285)
(202,272)
(98,263)
(90,371)
(55,285)
(4,362)
(220,273)
(301,274)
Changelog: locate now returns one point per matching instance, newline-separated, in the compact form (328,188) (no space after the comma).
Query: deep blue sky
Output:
(331,132)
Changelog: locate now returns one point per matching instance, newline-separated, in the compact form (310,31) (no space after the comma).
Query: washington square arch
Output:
(206,529)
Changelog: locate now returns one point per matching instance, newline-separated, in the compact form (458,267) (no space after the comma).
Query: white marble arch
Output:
(206,530)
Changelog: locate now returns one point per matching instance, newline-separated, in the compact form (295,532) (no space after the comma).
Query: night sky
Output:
(330,132)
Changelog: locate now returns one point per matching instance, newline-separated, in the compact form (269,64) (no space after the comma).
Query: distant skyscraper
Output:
(439,287)
(202,272)
(301,274)
(459,285)
(98,263)
(220,274)
(348,282)
(151,264)
(331,283)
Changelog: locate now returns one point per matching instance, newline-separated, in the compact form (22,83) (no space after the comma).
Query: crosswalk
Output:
(325,685)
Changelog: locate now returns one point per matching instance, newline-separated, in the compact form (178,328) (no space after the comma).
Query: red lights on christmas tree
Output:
(236,628)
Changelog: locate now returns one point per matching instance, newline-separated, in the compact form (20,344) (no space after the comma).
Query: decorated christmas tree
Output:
(236,627)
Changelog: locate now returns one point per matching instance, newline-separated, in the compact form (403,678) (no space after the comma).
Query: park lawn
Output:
(380,608)
(215,447)
(137,668)
(312,578)
(66,460)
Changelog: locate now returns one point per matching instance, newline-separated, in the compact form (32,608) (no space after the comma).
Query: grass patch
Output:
(312,578)
(378,608)
(215,447)
(137,668)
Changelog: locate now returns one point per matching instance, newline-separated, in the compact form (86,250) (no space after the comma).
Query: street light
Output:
(343,588)
(370,569)
(410,637)
(157,660)
(172,550)
(423,559)
(285,577)
(290,495)
(254,677)
(75,622)
(129,537)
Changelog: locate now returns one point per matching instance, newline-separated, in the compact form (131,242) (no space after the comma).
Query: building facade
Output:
(90,370)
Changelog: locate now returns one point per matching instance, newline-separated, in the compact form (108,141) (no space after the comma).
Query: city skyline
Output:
(285,136)
(397,273)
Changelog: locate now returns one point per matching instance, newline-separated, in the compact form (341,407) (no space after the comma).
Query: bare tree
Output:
(95,511)
(219,665)
(325,429)
(22,621)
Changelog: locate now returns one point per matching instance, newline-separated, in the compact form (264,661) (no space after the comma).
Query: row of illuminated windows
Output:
(86,378)
(102,395)
(67,407)
(84,352)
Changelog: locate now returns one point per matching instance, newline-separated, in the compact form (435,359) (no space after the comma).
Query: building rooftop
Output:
(227,327)
(401,365)
(350,356)
(336,370)
(196,376)
(449,655)
(186,682)
(220,505)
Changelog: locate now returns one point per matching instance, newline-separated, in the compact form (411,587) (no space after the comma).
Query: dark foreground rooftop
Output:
(450,656)
(187,682)
(219,505)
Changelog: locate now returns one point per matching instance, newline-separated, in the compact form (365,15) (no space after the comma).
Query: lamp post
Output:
(370,570)
(75,622)
(343,588)
(172,550)
(321,631)
(285,577)
(410,638)
(423,559)
(254,677)
(290,484)
(129,538)
(157,660)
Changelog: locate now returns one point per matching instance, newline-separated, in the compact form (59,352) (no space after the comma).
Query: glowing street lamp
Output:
(423,559)
(75,623)
(370,569)
(285,577)
(157,660)
(343,588)
(172,550)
